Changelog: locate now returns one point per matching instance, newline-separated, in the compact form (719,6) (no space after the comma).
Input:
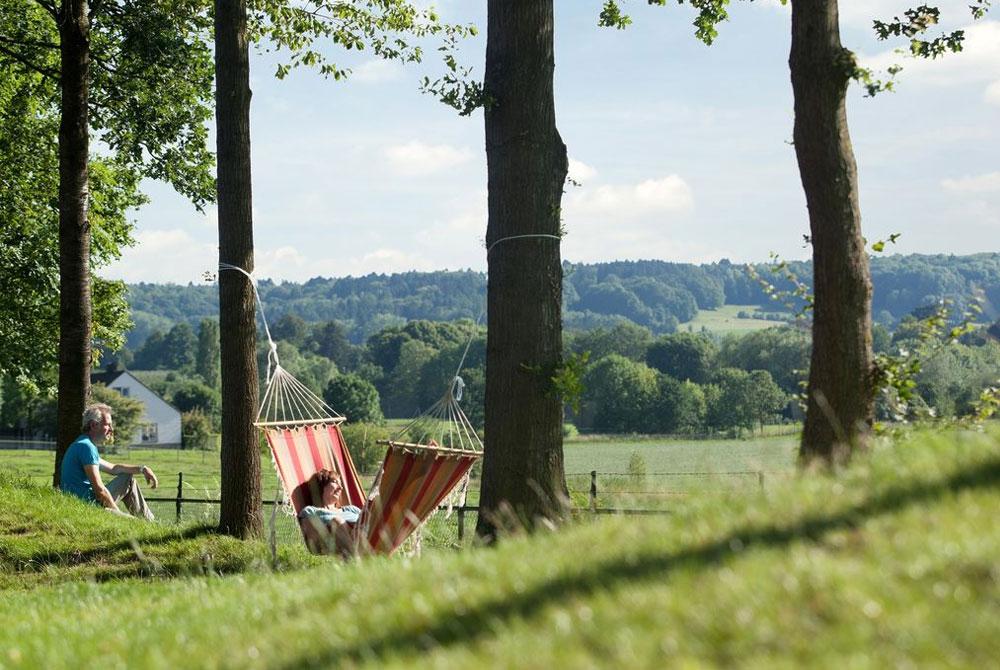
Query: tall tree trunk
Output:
(240,510)
(74,228)
(527,165)
(841,403)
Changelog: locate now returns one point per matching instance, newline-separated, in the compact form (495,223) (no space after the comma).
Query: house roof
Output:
(105,377)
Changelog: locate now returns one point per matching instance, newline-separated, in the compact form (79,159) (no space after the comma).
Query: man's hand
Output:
(150,476)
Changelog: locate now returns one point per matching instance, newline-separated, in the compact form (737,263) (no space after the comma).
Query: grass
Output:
(892,562)
(724,320)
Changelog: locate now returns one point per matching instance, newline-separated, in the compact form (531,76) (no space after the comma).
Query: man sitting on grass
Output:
(82,466)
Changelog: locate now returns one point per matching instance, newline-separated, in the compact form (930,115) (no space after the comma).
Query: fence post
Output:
(593,490)
(180,494)
(760,479)
(461,523)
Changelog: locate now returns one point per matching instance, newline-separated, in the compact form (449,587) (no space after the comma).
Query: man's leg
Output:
(125,490)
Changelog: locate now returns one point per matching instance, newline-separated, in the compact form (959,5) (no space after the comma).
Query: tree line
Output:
(656,294)
(632,380)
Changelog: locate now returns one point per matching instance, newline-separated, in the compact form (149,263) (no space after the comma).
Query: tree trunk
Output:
(74,228)
(526,158)
(841,402)
(240,510)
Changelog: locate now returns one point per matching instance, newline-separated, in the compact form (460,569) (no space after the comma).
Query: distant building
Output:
(160,424)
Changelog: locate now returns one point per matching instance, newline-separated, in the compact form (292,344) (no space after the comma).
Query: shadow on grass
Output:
(71,556)
(480,621)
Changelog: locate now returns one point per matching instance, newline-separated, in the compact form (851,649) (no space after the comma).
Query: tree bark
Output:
(240,510)
(523,476)
(841,403)
(74,228)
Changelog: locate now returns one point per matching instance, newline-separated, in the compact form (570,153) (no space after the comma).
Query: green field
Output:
(723,321)
(891,562)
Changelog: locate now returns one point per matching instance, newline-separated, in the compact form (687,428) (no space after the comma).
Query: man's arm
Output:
(123,469)
(100,491)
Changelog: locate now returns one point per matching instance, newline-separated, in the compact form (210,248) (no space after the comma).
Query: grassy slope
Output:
(724,320)
(893,562)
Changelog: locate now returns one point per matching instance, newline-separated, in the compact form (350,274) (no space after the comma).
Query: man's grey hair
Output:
(94,413)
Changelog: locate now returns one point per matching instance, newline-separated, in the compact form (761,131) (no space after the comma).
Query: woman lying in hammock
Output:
(329,527)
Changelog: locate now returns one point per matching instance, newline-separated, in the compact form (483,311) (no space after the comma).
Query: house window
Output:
(149,432)
(121,389)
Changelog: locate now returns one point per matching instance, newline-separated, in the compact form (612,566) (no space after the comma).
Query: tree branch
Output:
(27,63)
(49,7)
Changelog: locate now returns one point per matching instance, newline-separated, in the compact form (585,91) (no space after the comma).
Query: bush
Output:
(569,431)
(354,397)
(196,429)
(362,441)
(637,468)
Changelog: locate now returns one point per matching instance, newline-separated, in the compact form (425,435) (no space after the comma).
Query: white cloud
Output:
(984,183)
(382,260)
(377,70)
(165,256)
(666,194)
(417,158)
(992,93)
(580,172)
(282,263)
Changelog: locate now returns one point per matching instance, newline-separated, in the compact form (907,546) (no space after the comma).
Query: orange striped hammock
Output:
(414,479)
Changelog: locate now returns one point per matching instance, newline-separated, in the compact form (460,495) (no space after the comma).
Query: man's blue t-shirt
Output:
(72,478)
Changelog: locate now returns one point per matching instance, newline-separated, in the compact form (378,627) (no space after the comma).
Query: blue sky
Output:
(682,152)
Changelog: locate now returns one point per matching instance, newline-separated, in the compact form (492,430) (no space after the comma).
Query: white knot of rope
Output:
(457,386)
(272,354)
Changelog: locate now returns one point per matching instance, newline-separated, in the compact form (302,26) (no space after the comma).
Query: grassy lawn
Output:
(890,563)
(723,321)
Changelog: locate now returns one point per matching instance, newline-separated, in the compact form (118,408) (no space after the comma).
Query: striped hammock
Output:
(423,463)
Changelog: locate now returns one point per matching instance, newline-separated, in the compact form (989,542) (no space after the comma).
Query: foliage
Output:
(625,339)
(784,352)
(189,395)
(621,393)
(354,397)
(362,305)
(683,356)
(29,252)
(196,431)
(208,357)
(362,440)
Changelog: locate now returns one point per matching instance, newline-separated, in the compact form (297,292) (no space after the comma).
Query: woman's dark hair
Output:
(319,481)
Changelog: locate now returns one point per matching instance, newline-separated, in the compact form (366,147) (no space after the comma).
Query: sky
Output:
(682,151)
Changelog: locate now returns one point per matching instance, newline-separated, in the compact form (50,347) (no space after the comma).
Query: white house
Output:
(160,424)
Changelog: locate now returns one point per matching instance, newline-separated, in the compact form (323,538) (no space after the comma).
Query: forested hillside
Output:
(655,294)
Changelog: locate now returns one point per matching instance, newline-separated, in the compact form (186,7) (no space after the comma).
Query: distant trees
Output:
(683,356)
(354,397)
(206,362)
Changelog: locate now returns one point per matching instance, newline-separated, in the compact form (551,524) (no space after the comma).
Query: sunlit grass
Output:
(891,563)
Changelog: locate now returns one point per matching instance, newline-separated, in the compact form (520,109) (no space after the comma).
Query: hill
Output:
(655,294)
(889,563)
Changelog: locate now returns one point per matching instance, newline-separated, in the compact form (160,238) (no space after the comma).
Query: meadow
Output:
(891,562)
(724,320)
